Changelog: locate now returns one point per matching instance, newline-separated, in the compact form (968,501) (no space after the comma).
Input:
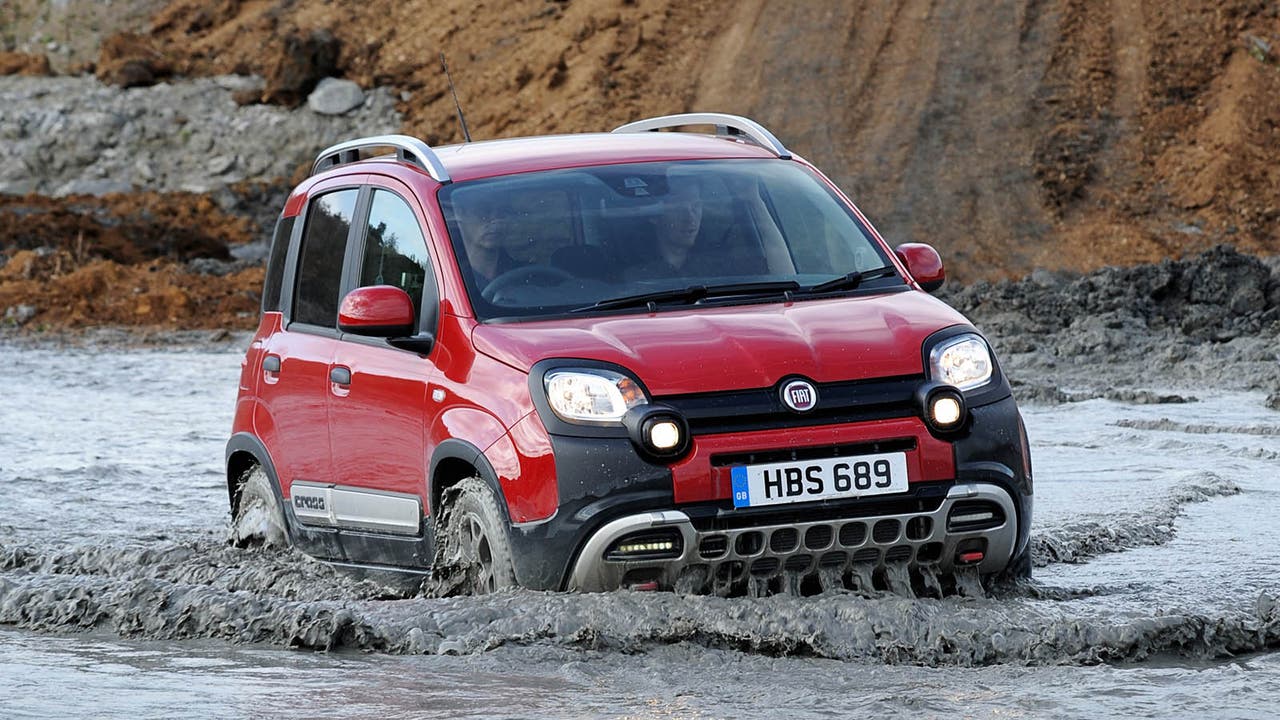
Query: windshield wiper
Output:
(852,280)
(692,294)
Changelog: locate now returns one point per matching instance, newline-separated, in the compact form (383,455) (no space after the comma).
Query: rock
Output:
(211,266)
(300,63)
(335,97)
(221,164)
(255,252)
(189,135)
(85,186)
(20,314)
(237,83)
(17,63)
(131,60)
(1273,401)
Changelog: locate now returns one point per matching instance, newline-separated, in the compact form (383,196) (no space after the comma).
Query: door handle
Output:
(339,375)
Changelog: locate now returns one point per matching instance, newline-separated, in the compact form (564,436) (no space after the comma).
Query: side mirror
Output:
(924,264)
(377,311)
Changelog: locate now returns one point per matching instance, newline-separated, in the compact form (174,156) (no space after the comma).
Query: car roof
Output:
(489,158)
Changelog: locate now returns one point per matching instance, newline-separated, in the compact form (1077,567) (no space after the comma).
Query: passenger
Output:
(484,227)
(677,228)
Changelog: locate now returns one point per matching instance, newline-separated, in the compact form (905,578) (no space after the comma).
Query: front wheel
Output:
(258,520)
(474,553)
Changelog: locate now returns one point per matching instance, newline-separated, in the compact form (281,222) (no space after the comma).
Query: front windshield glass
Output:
(597,238)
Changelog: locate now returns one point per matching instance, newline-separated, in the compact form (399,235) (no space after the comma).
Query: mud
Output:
(1123,578)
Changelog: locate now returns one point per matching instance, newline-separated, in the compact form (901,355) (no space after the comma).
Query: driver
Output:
(483,225)
(678,225)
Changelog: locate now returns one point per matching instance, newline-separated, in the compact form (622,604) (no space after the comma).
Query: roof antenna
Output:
(461,120)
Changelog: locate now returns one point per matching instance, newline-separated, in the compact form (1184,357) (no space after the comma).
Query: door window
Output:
(324,242)
(395,251)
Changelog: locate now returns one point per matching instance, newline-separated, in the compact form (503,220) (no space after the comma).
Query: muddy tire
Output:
(258,521)
(473,556)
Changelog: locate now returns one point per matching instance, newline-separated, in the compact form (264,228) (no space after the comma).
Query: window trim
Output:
(429,317)
(295,256)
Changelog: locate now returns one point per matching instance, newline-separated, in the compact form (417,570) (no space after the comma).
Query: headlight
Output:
(590,395)
(963,362)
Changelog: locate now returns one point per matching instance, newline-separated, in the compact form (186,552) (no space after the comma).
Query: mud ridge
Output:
(1199,428)
(1078,541)
(285,574)
(834,626)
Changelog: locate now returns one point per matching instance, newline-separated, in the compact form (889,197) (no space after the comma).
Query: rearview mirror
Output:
(924,264)
(377,311)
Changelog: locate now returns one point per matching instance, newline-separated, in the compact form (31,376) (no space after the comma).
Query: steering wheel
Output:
(545,275)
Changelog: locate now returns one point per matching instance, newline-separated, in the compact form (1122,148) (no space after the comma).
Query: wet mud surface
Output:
(1157,578)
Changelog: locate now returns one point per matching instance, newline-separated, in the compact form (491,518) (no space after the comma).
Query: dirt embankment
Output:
(1013,135)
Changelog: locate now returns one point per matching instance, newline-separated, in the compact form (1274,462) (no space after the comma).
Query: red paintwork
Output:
(730,348)
(381,429)
(923,263)
(376,306)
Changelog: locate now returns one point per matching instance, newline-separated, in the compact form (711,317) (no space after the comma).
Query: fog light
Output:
(646,547)
(664,435)
(945,410)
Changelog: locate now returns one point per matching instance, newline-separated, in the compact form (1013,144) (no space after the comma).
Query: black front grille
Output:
(886,531)
(762,408)
(852,534)
(817,537)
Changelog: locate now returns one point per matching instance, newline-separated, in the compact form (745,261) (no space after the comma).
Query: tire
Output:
(258,521)
(1015,574)
(473,553)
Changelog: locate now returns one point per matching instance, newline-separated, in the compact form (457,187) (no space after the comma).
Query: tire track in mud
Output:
(1080,540)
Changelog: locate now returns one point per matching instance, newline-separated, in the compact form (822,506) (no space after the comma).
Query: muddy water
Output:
(1157,551)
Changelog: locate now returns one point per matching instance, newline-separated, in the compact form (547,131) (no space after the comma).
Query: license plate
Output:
(804,480)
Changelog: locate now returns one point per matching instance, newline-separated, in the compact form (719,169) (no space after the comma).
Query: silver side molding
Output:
(732,126)
(408,149)
(342,506)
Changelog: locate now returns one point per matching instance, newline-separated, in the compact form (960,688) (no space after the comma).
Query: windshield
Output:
(658,234)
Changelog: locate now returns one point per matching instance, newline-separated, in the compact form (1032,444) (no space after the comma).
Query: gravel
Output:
(70,135)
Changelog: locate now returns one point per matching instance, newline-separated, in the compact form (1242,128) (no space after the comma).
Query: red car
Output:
(632,359)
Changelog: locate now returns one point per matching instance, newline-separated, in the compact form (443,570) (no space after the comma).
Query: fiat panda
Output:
(649,359)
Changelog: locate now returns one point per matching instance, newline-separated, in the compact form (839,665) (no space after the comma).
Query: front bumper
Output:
(607,491)
(711,557)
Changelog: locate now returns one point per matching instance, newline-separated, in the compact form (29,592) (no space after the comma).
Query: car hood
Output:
(710,349)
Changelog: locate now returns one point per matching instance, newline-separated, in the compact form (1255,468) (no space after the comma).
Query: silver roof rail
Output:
(726,126)
(408,149)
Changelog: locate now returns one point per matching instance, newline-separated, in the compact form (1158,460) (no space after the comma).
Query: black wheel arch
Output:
(243,452)
(455,460)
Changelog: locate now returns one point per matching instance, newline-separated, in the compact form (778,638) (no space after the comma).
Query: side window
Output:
(395,251)
(324,241)
(275,265)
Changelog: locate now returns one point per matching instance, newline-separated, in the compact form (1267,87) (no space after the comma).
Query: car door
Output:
(378,419)
(295,371)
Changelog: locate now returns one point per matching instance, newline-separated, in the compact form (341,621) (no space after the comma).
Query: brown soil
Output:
(1012,135)
(17,63)
(68,293)
(125,228)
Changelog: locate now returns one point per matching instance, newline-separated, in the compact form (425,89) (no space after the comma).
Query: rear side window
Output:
(395,251)
(275,265)
(324,241)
